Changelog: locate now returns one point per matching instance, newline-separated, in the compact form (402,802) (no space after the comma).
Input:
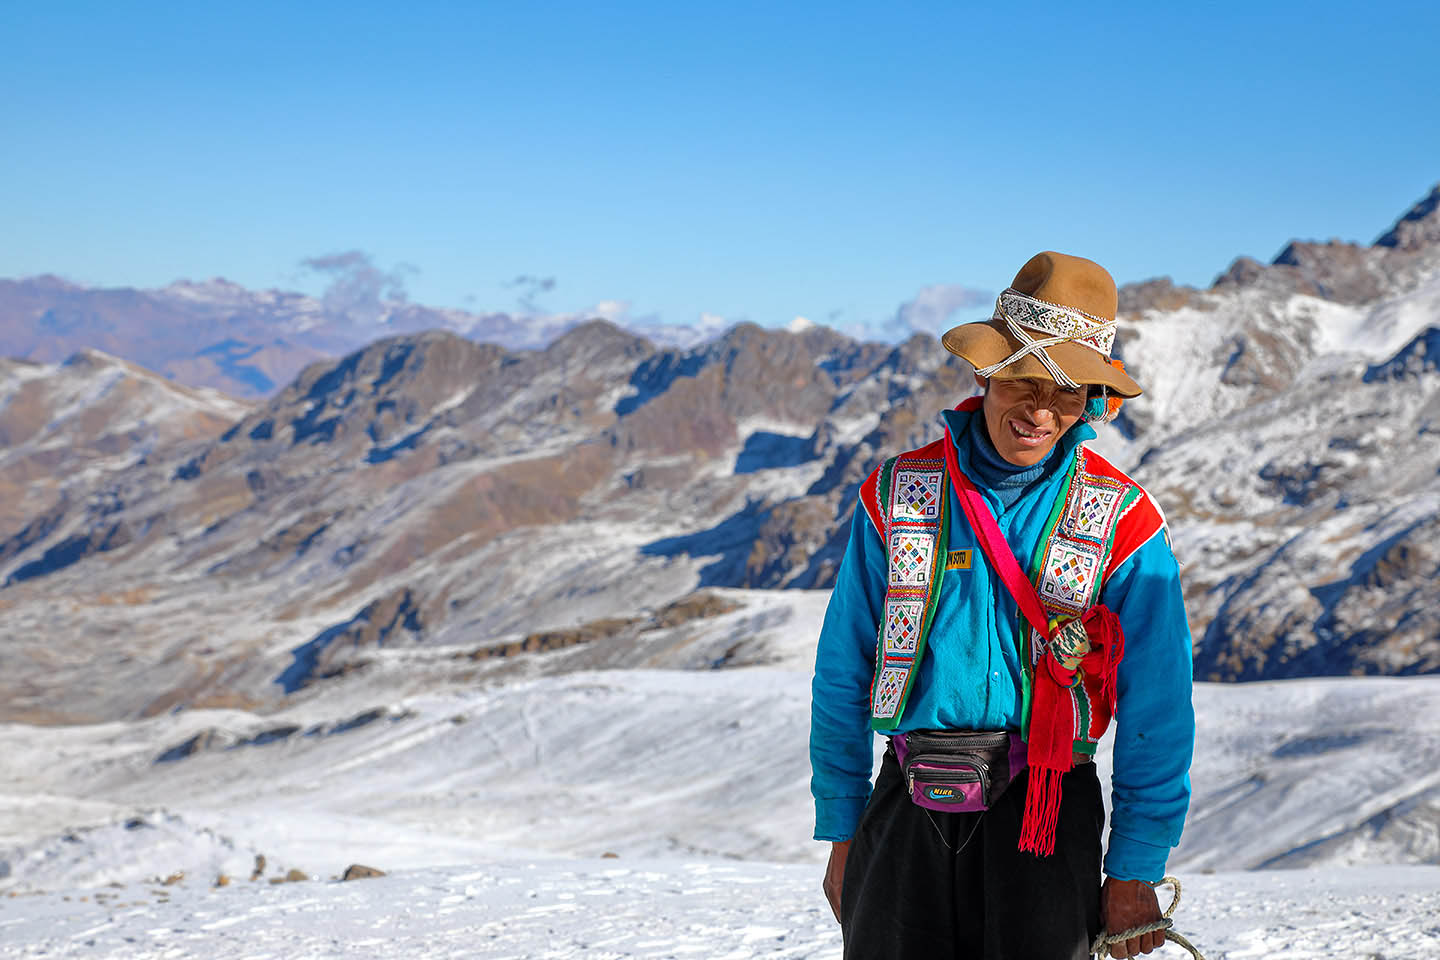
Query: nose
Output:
(1045,404)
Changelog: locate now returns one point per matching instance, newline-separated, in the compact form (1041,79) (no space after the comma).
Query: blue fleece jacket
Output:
(969,677)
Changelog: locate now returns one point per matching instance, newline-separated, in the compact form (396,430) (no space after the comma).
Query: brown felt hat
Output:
(1068,304)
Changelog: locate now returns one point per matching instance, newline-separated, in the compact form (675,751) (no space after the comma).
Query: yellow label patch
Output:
(957,560)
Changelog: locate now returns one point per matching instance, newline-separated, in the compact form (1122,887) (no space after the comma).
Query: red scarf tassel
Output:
(1052,725)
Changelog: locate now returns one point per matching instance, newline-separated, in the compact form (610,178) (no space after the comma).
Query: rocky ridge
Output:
(429,497)
(1289,432)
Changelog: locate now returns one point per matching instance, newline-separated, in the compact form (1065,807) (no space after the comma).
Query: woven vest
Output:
(1100,518)
(910,496)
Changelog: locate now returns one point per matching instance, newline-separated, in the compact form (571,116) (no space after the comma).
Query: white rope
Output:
(1036,347)
(1031,345)
(1104,941)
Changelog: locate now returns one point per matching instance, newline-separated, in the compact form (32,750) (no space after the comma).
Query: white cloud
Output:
(932,309)
(612,310)
(359,292)
(800,324)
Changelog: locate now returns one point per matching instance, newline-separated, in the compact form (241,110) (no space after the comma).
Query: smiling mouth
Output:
(1027,435)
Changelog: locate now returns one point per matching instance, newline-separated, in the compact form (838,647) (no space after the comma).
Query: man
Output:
(927,631)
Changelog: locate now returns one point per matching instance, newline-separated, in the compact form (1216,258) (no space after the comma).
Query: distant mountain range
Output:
(247,343)
(456,503)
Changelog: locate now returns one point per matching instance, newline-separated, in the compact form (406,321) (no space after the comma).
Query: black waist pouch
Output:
(958,771)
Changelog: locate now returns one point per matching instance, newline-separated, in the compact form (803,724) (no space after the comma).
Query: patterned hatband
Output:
(1062,324)
(1073,325)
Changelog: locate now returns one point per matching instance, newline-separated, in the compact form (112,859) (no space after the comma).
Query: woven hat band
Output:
(1065,323)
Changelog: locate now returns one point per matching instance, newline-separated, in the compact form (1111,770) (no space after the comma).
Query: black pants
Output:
(921,884)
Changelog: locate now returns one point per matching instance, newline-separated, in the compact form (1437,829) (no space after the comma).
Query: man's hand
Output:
(1125,904)
(835,875)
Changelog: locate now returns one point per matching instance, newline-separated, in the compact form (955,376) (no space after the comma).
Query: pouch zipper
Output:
(979,772)
(919,740)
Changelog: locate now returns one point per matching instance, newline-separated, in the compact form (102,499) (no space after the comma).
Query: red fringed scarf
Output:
(1052,724)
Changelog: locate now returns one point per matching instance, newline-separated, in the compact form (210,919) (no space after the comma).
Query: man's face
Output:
(1026,417)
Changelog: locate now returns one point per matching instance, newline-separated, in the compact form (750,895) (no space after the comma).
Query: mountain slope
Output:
(1291,439)
(435,493)
(682,762)
(67,430)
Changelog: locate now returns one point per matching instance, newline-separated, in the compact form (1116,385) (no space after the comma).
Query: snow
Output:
(745,426)
(646,813)
(454,400)
(87,381)
(17,371)
(595,909)
(1380,331)
(851,430)
(610,909)
(216,290)
(706,327)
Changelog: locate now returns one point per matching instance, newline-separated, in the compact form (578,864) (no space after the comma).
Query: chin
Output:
(1025,458)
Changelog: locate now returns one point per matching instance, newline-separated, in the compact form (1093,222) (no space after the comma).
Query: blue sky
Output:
(752,161)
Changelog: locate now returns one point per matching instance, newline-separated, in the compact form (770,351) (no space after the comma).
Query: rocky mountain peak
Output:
(1157,293)
(771,373)
(89,359)
(1349,273)
(381,389)
(598,341)
(1338,271)
(71,428)
(1419,227)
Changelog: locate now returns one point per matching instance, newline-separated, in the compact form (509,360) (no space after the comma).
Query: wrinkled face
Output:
(1026,417)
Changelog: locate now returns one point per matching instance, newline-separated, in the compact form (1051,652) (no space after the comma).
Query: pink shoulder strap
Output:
(997,549)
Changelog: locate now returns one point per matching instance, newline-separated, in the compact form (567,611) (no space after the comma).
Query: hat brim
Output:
(988,342)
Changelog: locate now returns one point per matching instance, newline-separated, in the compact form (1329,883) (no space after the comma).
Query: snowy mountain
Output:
(431,490)
(1290,432)
(428,490)
(549,613)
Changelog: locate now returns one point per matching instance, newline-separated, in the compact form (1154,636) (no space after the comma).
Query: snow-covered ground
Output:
(645,813)
(610,909)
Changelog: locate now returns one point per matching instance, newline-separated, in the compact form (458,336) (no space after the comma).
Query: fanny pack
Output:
(958,771)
